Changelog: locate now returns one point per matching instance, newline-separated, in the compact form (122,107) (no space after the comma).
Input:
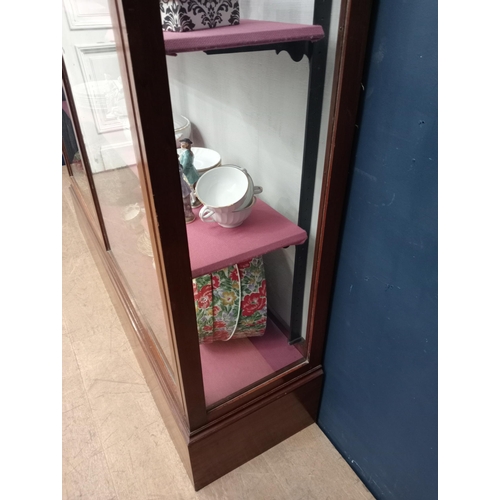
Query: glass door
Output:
(116,143)
(254,102)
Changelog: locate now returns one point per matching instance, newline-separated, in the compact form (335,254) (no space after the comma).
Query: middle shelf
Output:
(212,247)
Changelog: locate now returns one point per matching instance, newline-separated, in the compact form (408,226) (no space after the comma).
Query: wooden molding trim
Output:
(255,404)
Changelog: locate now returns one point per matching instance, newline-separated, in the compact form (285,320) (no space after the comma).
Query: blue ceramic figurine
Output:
(186,159)
(186,197)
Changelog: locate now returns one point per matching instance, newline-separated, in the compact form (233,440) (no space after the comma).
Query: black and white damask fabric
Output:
(190,15)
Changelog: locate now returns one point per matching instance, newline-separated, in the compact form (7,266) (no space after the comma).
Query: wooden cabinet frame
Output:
(213,441)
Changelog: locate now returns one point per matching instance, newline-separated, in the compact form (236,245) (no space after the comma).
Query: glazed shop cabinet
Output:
(228,324)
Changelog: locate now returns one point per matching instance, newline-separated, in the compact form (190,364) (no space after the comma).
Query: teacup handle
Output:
(205,214)
(257,189)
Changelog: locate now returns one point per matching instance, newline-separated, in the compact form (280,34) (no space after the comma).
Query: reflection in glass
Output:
(95,77)
(73,156)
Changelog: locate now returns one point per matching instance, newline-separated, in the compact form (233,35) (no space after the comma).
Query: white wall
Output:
(285,11)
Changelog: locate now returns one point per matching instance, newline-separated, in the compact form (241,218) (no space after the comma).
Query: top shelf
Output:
(248,33)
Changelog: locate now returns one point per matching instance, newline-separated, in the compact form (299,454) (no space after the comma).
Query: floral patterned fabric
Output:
(231,299)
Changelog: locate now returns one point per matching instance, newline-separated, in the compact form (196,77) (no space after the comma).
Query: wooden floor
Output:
(115,445)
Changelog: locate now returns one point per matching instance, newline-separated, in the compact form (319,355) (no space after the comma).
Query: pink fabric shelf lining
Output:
(247,33)
(231,366)
(212,247)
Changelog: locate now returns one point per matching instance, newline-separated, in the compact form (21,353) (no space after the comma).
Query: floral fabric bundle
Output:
(231,303)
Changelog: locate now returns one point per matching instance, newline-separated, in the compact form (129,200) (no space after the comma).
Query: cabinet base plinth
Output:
(233,442)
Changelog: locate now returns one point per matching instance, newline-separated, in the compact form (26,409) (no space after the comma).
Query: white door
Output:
(92,64)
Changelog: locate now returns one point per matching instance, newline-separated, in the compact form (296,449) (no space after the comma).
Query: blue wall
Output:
(379,405)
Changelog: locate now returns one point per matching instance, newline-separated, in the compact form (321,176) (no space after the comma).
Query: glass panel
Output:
(95,77)
(262,133)
(249,110)
(73,156)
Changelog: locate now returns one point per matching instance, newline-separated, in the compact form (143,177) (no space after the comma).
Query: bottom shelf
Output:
(230,366)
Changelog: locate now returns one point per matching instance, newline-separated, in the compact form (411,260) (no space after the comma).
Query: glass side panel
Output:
(95,77)
(243,308)
(73,156)
(249,110)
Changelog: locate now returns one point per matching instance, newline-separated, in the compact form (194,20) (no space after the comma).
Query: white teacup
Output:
(224,218)
(251,191)
(222,188)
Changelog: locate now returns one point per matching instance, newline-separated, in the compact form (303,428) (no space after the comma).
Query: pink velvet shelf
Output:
(212,247)
(247,33)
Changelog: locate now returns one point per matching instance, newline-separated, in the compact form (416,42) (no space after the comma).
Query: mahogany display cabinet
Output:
(276,94)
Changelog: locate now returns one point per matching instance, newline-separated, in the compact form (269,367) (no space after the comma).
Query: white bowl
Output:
(226,219)
(204,158)
(182,128)
(222,187)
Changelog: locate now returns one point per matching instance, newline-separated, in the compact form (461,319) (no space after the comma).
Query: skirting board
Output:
(223,445)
